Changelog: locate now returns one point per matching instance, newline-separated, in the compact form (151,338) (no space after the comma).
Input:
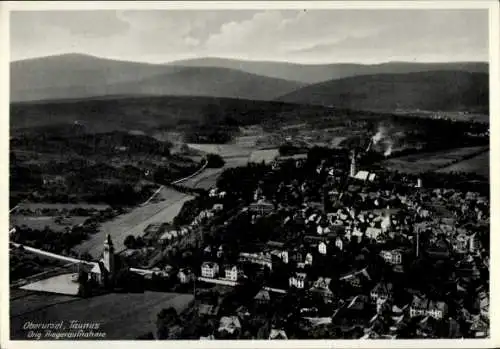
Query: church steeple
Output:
(109,256)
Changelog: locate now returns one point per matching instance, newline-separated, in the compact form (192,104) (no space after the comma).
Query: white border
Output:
(493,6)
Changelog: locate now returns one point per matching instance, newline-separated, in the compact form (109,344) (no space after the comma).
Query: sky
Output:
(304,36)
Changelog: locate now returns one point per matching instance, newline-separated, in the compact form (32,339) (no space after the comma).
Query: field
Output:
(40,222)
(266,155)
(120,316)
(224,150)
(208,178)
(478,164)
(423,162)
(135,221)
(62,207)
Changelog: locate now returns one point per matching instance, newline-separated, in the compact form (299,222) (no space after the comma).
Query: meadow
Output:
(119,315)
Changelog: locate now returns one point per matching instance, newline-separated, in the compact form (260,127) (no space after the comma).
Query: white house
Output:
(209,270)
(392,256)
(309,259)
(322,247)
(298,280)
(339,243)
(373,233)
(231,273)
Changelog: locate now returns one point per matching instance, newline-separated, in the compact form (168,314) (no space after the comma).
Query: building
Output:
(231,273)
(298,280)
(263,259)
(352,168)
(209,270)
(322,247)
(153,232)
(277,334)
(422,306)
(229,325)
(392,256)
(381,292)
(339,243)
(309,259)
(373,233)
(356,278)
(185,276)
(262,297)
(322,287)
(261,207)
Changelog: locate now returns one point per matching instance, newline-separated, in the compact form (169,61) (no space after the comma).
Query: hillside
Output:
(73,76)
(148,113)
(440,90)
(82,76)
(210,82)
(314,73)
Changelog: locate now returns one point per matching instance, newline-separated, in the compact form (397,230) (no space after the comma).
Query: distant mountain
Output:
(315,73)
(436,90)
(81,76)
(209,82)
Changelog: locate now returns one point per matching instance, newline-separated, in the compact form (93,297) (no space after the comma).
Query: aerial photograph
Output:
(259,174)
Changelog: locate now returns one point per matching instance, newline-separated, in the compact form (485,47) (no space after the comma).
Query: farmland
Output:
(478,164)
(41,222)
(120,316)
(224,150)
(266,155)
(134,221)
(418,163)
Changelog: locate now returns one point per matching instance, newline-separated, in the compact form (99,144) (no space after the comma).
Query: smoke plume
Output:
(381,133)
(388,150)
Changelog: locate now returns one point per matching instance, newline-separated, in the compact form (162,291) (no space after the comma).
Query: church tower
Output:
(109,257)
(352,170)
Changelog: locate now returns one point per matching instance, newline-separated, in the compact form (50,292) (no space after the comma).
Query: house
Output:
(185,276)
(261,207)
(153,232)
(381,292)
(218,207)
(480,327)
(439,250)
(298,280)
(296,256)
(231,273)
(373,233)
(263,259)
(209,270)
(392,256)
(356,278)
(339,243)
(208,310)
(262,297)
(322,247)
(322,287)
(277,334)
(422,306)
(309,259)
(220,252)
(229,325)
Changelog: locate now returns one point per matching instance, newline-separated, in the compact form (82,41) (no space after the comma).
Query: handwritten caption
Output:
(72,329)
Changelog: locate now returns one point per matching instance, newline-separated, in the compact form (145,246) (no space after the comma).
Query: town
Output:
(315,245)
